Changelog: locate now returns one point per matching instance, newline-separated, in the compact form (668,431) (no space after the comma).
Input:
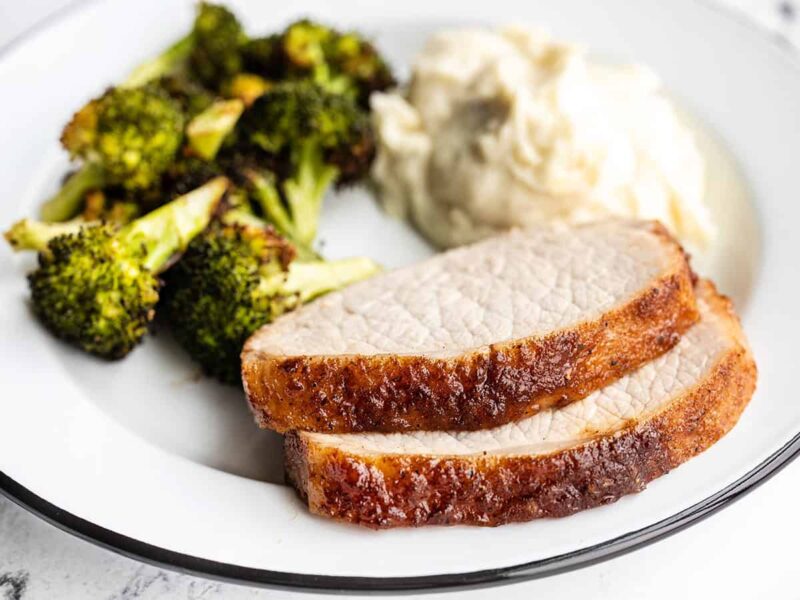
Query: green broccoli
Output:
(211,53)
(192,97)
(126,138)
(217,51)
(185,174)
(28,234)
(311,139)
(97,288)
(172,62)
(343,63)
(218,40)
(236,277)
(208,130)
(304,46)
(360,63)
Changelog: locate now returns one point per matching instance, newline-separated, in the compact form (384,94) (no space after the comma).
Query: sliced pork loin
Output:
(475,337)
(558,462)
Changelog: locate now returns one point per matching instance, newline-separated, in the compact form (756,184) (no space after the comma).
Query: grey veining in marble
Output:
(39,562)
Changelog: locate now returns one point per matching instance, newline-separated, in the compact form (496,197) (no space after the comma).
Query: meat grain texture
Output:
(475,337)
(553,464)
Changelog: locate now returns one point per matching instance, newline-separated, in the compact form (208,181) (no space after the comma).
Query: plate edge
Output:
(154,555)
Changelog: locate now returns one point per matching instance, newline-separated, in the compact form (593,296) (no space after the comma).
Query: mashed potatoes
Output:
(509,128)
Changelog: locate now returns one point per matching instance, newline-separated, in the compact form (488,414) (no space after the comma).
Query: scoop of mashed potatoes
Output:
(511,128)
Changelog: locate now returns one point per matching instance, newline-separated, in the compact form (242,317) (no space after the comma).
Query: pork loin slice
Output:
(558,462)
(475,337)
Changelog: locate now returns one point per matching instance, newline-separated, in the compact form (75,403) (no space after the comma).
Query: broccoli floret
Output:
(210,53)
(312,138)
(217,50)
(343,63)
(97,288)
(304,44)
(91,294)
(236,277)
(218,40)
(133,134)
(127,138)
(357,60)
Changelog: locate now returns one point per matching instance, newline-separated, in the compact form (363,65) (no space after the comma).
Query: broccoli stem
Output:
(305,191)
(167,230)
(269,199)
(28,234)
(305,253)
(165,63)
(67,202)
(248,219)
(242,217)
(311,279)
(239,216)
(208,130)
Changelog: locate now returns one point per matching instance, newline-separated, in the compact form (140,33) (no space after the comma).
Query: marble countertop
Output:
(746,551)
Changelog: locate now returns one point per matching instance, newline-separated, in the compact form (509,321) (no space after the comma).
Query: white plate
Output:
(146,458)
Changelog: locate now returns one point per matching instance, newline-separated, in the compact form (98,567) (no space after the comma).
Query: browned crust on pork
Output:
(483,388)
(412,490)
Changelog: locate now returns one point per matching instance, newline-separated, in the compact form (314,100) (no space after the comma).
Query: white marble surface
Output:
(746,551)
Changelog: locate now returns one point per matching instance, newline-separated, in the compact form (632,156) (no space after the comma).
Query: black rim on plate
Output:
(584,557)
(533,570)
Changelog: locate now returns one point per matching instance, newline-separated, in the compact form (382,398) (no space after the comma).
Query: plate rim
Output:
(231,573)
(185,563)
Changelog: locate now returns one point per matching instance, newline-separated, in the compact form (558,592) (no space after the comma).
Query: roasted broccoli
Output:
(218,40)
(304,46)
(244,134)
(217,52)
(357,60)
(192,97)
(310,138)
(172,62)
(126,138)
(211,53)
(185,174)
(208,130)
(236,277)
(97,288)
(343,63)
(28,234)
